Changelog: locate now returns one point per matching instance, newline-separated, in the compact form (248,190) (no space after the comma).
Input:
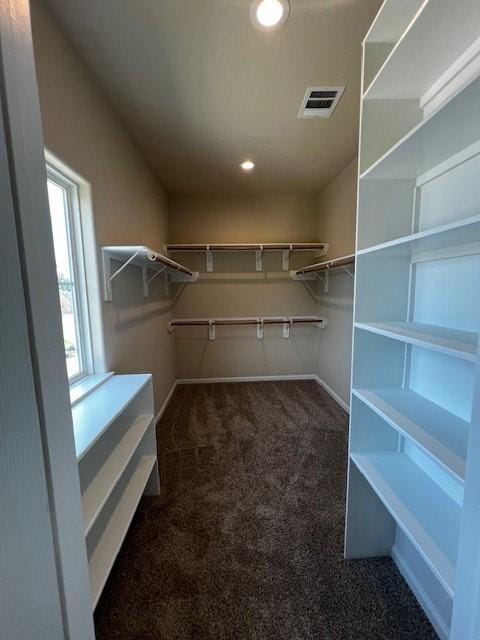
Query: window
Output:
(64,201)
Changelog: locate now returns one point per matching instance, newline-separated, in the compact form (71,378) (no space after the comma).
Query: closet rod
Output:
(328,264)
(153,256)
(257,246)
(195,322)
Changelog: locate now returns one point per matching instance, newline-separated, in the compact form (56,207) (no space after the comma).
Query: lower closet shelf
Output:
(109,544)
(101,487)
(427,515)
(440,433)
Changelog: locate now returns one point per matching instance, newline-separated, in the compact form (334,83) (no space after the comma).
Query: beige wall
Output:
(336,225)
(337,212)
(129,204)
(235,289)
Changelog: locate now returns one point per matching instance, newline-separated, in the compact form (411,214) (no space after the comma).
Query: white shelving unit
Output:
(148,260)
(116,450)
(415,407)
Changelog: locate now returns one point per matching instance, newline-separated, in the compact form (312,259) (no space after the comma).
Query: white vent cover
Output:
(320,102)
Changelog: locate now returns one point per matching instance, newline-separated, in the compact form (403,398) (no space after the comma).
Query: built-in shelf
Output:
(103,557)
(460,234)
(441,135)
(148,260)
(455,31)
(452,342)
(259,322)
(392,20)
(439,433)
(97,493)
(96,412)
(286,248)
(422,509)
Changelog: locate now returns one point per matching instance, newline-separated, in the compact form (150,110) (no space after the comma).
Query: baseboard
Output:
(421,595)
(332,393)
(165,404)
(306,376)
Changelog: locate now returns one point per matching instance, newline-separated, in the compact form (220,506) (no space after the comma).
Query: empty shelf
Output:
(427,515)
(96,412)
(437,138)
(97,493)
(109,544)
(326,265)
(438,35)
(440,433)
(422,243)
(392,20)
(452,342)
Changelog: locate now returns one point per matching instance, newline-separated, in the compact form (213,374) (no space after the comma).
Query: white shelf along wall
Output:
(116,451)
(415,373)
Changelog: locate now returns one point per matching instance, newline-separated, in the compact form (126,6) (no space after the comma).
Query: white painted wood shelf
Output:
(428,516)
(415,403)
(438,137)
(106,551)
(438,432)
(100,489)
(115,441)
(95,413)
(436,23)
(451,342)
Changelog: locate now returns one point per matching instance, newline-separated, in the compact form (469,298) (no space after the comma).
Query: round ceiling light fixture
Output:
(247,165)
(269,14)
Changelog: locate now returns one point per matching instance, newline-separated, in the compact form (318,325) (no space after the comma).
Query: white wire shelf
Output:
(260,322)
(286,248)
(149,261)
(321,270)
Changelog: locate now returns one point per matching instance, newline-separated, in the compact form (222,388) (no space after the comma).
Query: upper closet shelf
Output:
(148,260)
(436,143)
(321,270)
(286,248)
(443,35)
(392,20)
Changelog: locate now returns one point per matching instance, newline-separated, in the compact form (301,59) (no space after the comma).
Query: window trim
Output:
(84,249)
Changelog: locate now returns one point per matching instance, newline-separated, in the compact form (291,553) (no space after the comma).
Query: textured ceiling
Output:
(201,90)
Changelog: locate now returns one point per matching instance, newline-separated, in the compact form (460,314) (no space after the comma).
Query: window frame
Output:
(82,251)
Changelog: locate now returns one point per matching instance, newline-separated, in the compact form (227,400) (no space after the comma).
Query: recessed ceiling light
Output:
(248,165)
(269,14)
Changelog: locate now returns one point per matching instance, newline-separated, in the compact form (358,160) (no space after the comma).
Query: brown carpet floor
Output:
(246,540)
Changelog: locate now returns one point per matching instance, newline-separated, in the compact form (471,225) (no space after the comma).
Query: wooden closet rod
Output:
(329,264)
(268,246)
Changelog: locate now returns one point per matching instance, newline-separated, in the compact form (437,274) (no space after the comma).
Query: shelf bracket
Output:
(108,276)
(260,329)
(349,271)
(259,259)
(286,328)
(286,259)
(147,281)
(208,259)
(325,279)
(211,331)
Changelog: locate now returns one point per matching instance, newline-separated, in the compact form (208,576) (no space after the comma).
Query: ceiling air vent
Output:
(320,102)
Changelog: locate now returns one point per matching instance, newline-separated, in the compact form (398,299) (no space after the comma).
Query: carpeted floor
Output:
(246,540)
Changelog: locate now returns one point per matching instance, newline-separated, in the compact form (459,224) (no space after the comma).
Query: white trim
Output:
(159,415)
(303,376)
(332,393)
(425,601)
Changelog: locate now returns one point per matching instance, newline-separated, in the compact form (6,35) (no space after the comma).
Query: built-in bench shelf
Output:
(115,443)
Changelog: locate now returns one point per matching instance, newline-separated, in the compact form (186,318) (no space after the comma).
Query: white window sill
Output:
(88,384)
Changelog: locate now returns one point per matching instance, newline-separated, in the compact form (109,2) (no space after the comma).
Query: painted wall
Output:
(336,225)
(129,205)
(235,289)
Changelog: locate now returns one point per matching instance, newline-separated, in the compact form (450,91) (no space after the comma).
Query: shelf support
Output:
(147,281)
(209,259)
(286,259)
(211,330)
(260,329)
(259,259)
(286,328)
(108,276)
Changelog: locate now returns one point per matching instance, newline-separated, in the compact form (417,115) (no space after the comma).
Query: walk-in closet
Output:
(239,372)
